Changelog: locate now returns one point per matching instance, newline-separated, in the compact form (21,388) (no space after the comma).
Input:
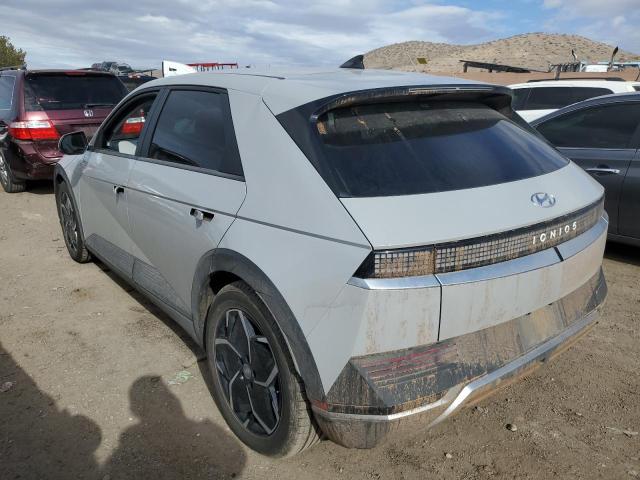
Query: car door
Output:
(629,212)
(105,173)
(599,139)
(185,192)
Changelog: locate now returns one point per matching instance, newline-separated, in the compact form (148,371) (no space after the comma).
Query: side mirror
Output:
(74,143)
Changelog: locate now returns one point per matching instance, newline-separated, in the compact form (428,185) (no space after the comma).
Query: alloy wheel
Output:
(69,221)
(248,372)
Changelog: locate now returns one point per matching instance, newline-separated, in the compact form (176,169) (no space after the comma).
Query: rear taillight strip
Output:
(33,130)
(481,251)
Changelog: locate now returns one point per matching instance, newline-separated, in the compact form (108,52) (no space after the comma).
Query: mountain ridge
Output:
(535,50)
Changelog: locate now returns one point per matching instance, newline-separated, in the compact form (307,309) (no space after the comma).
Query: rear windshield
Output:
(423,147)
(547,98)
(70,92)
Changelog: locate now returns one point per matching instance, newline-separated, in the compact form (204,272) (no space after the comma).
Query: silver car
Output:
(351,248)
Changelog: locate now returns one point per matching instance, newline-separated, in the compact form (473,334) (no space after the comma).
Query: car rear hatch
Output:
(68,102)
(452,185)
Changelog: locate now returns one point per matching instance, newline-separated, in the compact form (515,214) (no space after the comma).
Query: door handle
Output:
(117,189)
(201,215)
(604,170)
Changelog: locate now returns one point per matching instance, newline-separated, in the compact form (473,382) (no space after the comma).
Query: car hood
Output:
(413,220)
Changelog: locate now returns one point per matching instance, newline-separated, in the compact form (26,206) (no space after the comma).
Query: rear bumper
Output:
(28,164)
(376,393)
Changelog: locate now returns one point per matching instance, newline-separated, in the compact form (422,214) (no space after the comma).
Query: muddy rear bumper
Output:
(376,393)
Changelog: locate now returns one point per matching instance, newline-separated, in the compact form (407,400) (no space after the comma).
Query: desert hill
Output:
(532,50)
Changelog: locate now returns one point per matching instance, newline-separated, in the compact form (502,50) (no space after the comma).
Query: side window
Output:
(579,94)
(608,126)
(124,132)
(6,91)
(195,129)
(546,98)
(543,98)
(519,101)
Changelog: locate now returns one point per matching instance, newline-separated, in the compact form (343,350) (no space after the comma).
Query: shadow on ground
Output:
(40,187)
(39,440)
(152,309)
(623,253)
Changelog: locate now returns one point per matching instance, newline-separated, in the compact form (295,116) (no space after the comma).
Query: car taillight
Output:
(402,262)
(133,126)
(33,130)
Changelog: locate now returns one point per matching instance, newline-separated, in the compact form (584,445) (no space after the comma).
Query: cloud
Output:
(73,33)
(613,21)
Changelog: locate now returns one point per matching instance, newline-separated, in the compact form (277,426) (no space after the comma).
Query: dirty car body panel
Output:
(414,240)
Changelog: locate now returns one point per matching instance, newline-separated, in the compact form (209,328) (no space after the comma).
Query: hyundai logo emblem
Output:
(88,113)
(542,199)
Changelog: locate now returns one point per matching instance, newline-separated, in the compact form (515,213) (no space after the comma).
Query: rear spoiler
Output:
(496,97)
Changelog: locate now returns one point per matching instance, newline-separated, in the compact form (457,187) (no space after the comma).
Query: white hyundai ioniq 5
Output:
(351,247)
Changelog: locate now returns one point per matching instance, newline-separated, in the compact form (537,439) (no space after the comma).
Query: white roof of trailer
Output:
(283,90)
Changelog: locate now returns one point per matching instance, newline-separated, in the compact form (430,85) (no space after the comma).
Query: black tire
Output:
(9,184)
(293,428)
(70,223)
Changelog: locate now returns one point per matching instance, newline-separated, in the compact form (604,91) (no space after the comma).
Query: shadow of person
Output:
(166,444)
(36,439)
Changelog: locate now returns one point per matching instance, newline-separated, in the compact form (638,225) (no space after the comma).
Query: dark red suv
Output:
(37,107)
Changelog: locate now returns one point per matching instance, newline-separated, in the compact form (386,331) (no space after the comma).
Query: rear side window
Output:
(422,147)
(124,132)
(519,101)
(195,129)
(604,126)
(71,91)
(6,91)
(548,98)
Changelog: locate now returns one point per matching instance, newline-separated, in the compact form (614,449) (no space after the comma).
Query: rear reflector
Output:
(33,130)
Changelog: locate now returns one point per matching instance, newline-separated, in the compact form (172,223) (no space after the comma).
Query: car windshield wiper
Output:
(93,105)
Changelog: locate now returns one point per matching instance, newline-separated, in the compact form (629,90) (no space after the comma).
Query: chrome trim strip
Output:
(507,370)
(528,263)
(569,248)
(381,418)
(399,283)
(462,393)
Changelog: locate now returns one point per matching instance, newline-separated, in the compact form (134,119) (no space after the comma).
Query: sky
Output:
(77,33)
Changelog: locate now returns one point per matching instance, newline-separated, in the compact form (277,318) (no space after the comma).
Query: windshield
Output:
(69,92)
(422,147)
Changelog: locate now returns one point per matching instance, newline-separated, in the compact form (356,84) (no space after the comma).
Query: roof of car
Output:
(616,86)
(601,100)
(283,90)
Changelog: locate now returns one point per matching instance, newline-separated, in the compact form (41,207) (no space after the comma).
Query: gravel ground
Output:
(96,383)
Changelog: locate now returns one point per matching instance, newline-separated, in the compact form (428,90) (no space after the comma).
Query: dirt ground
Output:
(96,383)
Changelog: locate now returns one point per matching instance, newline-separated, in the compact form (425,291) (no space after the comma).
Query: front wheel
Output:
(70,223)
(254,382)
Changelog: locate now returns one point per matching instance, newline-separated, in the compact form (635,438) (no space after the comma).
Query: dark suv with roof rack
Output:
(37,107)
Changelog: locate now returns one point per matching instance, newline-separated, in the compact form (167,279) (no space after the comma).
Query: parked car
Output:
(602,135)
(134,80)
(535,99)
(37,106)
(351,248)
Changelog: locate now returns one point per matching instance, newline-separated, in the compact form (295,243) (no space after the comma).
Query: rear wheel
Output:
(70,223)
(6,178)
(254,382)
